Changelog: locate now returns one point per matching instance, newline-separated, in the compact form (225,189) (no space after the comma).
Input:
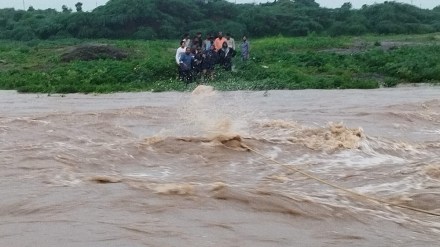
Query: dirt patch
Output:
(93,52)
(356,47)
(363,46)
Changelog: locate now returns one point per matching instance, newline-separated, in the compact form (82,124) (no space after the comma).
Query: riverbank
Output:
(276,63)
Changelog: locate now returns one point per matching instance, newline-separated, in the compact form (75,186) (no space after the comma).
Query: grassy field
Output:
(276,63)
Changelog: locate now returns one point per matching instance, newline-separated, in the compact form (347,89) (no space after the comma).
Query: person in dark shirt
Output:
(197,41)
(197,65)
(225,56)
(210,58)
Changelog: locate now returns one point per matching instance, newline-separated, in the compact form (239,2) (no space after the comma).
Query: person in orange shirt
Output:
(218,42)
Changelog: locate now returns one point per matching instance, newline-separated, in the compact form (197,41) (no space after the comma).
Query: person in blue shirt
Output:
(186,63)
(245,49)
(207,43)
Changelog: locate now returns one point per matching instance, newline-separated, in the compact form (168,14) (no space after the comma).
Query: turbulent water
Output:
(175,169)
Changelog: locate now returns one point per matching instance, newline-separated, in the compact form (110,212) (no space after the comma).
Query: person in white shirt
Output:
(230,41)
(187,40)
(179,52)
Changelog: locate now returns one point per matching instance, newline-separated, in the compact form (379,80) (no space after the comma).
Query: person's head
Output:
(188,50)
(208,36)
(225,45)
(212,47)
(228,36)
(182,43)
(199,34)
(220,35)
(244,38)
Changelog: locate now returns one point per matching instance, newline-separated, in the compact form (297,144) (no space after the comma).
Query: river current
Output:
(174,169)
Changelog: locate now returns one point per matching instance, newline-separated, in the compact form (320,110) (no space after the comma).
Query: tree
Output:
(78,7)
(66,9)
(307,3)
(344,12)
(150,19)
(346,6)
(30,9)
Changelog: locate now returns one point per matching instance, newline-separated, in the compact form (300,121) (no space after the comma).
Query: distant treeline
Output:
(169,19)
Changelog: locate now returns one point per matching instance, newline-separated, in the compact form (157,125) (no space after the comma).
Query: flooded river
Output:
(174,169)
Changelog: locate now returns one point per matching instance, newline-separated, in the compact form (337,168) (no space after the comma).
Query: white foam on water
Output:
(430,131)
(208,113)
(137,175)
(393,188)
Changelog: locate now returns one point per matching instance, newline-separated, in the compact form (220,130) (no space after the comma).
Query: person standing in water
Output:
(245,49)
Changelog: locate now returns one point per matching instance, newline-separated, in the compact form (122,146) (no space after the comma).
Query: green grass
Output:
(276,63)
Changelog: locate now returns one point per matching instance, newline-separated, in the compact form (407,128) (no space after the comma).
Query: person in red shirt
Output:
(218,42)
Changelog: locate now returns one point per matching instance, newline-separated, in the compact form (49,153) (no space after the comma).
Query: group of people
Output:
(197,58)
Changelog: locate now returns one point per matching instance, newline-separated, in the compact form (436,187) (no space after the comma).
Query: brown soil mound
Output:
(230,141)
(93,52)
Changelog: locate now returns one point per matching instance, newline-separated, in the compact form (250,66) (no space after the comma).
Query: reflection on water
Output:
(171,169)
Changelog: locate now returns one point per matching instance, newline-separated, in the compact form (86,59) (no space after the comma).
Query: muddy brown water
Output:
(169,169)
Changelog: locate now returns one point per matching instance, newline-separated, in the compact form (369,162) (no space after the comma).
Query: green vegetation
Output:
(276,63)
(32,44)
(170,19)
